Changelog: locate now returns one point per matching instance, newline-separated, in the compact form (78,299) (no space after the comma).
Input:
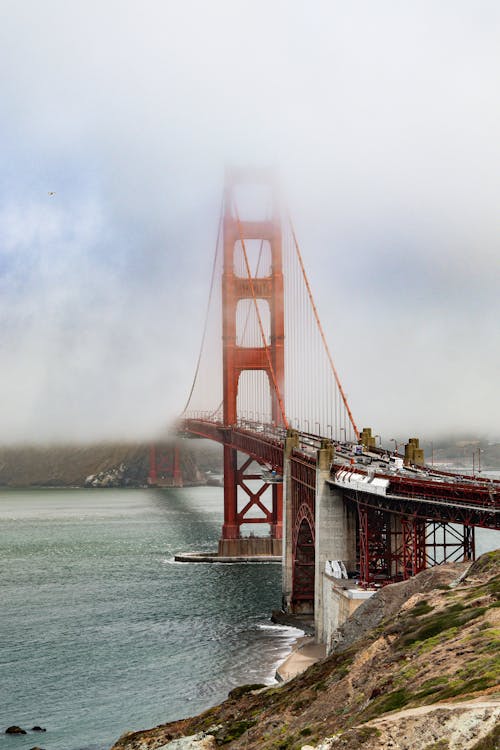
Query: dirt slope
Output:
(439,649)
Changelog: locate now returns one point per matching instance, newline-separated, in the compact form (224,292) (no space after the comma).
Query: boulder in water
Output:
(36,728)
(15,730)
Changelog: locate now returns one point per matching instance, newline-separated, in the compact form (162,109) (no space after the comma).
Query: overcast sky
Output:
(383,119)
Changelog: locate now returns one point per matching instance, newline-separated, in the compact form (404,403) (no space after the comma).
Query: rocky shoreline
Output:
(416,668)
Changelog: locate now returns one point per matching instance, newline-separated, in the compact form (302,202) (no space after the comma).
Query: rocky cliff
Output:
(417,669)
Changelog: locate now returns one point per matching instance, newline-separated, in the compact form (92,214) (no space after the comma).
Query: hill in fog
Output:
(70,465)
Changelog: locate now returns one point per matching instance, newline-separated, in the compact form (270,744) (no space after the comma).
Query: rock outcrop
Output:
(113,477)
(14,729)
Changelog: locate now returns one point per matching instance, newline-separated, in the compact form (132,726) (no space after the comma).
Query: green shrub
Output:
(389,702)
(422,608)
(237,692)
(462,687)
(451,617)
(233,731)
(443,680)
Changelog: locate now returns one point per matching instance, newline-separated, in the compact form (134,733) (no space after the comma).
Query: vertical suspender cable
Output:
(320,327)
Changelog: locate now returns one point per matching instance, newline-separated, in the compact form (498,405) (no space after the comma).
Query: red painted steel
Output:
(375,553)
(153,474)
(303,499)
(176,471)
(402,530)
(399,534)
(474,513)
(394,548)
(165,466)
(413,557)
(237,359)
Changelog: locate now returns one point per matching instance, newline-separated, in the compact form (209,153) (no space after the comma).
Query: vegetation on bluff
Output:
(440,649)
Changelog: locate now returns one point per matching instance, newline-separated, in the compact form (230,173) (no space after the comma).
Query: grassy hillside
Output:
(426,677)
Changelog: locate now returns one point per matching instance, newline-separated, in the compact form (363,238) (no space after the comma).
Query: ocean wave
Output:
(285,629)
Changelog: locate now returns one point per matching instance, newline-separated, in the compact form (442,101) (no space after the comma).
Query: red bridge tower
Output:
(267,357)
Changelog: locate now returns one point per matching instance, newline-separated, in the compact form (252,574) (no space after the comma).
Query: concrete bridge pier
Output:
(335,539)
(335,531)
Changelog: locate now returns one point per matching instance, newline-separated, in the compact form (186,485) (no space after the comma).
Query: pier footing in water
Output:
(250,546)
(248,549)
(213,557)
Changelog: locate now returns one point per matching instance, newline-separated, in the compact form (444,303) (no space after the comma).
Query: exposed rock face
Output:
(426,677)
(200,741)
(462,725)
(15,730)
(455,726)
(114,477)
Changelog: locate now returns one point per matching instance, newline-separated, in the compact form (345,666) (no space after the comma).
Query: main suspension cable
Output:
(320,328)
(212,280)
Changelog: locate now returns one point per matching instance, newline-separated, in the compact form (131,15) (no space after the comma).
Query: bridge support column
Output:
(335,535)
(165,469)
(230,529)
(277,511)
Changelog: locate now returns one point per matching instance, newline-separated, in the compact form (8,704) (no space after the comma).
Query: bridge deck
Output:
(422,491)
(377,478)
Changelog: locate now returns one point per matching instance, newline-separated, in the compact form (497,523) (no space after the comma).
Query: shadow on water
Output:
(198,513)
(101,633)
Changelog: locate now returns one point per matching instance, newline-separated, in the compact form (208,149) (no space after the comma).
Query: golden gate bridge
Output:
(295,461)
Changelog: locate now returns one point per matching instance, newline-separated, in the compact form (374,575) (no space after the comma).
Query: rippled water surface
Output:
(102,633)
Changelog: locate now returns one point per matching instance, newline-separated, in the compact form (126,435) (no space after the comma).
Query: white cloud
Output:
(384,120)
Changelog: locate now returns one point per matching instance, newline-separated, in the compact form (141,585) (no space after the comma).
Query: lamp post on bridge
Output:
(331,431)
(393,440)
(308,425)
(319,427)
(478,464)
(342,430)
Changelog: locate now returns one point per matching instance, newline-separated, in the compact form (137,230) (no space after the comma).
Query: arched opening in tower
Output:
(303,569)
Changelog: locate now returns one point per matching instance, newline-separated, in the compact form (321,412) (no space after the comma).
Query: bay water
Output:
(101,632)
